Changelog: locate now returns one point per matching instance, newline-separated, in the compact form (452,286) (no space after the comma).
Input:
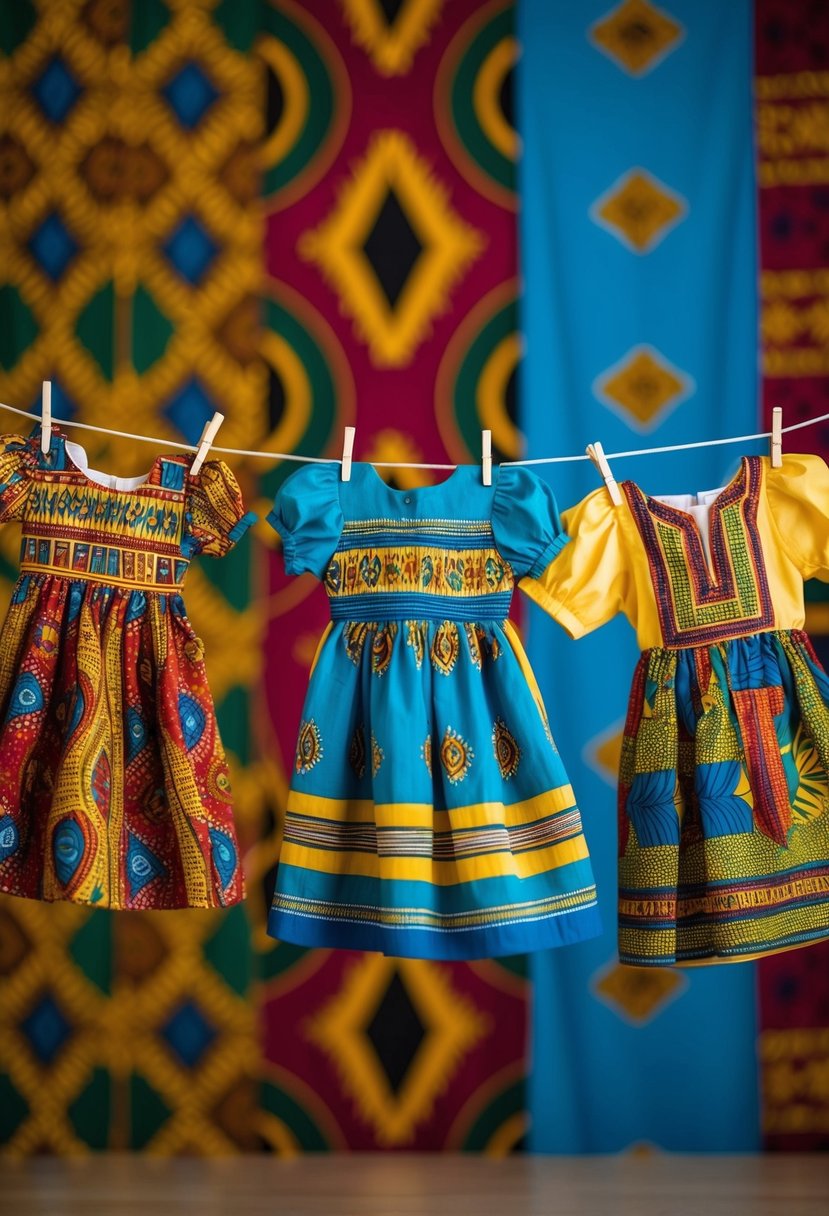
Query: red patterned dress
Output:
(114,787)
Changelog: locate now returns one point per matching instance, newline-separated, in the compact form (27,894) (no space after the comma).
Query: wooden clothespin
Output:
(777,437)
(348,448)
(46,418)
(486,457)
(207,437)
(596,453)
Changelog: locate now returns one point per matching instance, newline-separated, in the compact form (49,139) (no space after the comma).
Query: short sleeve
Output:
(216,516)
(525,521)
(307,515)
(588,583)
(18,460)
(798,499)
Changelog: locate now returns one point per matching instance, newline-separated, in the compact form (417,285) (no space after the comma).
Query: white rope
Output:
(402,464)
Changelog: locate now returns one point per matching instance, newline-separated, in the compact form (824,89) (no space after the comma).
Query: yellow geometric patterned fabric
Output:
(131,247)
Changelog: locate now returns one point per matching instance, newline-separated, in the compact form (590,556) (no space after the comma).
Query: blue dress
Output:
(429,813)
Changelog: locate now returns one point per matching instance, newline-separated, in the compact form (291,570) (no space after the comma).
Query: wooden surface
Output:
(396,1185)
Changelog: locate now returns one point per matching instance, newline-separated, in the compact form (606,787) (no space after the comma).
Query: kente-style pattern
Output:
(791,90)
(723,792)
(696,603)
(116,789)
(468,841)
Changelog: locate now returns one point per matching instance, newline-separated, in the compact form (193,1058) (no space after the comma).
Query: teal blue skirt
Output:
(429,813)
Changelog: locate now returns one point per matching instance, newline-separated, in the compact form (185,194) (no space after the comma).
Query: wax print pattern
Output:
(723,789)
(115,786)
(429,814)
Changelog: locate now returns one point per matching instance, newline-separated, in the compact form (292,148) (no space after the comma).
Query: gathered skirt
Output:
(723,799)
(429,813)
(114,788)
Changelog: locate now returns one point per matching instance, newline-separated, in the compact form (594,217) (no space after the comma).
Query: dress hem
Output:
(485,942)
(111,907)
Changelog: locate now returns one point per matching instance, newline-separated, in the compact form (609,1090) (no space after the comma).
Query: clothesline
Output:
(405,464)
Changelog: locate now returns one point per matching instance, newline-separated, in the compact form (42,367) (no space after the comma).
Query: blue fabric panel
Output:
(616,1067)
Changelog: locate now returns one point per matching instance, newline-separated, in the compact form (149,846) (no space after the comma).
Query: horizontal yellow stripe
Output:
(440,873)
(422,814)
(107,580)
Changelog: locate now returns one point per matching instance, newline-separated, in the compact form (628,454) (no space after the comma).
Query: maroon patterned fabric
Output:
(792,91)
(391,251)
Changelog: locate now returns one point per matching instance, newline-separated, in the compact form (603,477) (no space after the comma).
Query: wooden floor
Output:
(392,1185)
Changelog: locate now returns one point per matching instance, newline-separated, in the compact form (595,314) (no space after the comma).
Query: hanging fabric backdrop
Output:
(130,252)
(792,92)
(138,144)
(637,224)
(390,303)
(304,214)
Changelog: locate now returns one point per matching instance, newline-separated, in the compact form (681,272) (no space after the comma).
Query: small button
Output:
(408,499)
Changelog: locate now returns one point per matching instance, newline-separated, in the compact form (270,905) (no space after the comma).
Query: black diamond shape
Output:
(396,1032)
(277,399)
(392,248)
(391,10)
(275,100)
(506,95)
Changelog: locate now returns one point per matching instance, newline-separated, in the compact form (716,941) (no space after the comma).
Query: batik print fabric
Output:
(114,788)
(429,813)
(723,793)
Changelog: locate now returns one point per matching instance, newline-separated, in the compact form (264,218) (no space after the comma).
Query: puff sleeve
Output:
(215,513)
(525,521)
(588,583)
(798,498)
(18,460)
(307,515)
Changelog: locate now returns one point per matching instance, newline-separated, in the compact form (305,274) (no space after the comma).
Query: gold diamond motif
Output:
(604,753)
(391,45)
(452,1028)
(639,210)
(638,994)
(448,246)
(643,387)
(637,36)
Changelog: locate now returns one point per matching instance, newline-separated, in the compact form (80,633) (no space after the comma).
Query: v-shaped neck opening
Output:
(692,528)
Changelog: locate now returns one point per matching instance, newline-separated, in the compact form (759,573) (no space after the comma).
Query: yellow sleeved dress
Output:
(723,789)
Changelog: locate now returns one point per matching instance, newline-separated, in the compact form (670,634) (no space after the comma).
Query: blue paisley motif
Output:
(9,837)
(224,855)
(192,720)
(68,847)
(27,696)
(142,865)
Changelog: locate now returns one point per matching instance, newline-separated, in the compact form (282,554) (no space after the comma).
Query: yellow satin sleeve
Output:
(589,582)
(798,500)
